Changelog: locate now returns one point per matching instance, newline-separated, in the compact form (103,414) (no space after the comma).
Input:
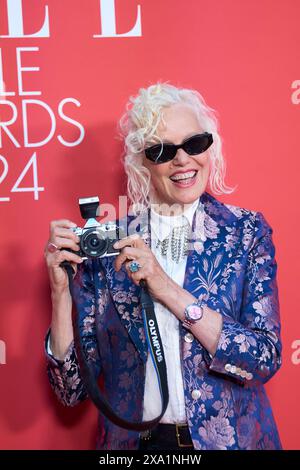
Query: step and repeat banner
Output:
(67,69)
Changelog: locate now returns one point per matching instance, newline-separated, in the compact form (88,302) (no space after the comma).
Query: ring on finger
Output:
(134,266)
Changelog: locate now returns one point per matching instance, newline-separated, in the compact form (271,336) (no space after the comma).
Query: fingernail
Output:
(116,245)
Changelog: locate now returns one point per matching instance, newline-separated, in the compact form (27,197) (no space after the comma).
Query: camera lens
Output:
(93,244)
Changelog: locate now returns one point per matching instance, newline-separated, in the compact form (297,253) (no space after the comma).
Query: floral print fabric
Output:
(232,265)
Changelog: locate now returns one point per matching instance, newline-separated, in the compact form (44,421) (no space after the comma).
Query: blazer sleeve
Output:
(250,349)
(64,376)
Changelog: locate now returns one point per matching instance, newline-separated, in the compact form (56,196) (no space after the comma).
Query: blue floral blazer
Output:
(235,269)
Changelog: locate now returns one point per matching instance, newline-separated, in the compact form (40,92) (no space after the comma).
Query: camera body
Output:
(96,240)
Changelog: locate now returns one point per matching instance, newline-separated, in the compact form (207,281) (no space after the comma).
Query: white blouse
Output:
(168,324)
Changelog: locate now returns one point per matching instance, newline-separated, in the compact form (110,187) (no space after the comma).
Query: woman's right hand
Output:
(62,237)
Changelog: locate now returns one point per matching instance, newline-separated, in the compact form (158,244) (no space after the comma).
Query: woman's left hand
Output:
(133,248)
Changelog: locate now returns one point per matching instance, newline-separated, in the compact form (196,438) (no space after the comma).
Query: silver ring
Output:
(52,248)
(134,266)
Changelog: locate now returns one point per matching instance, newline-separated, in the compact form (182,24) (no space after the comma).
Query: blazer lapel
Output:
(204,261)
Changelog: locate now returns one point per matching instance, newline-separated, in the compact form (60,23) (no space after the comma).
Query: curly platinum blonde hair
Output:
(139,126)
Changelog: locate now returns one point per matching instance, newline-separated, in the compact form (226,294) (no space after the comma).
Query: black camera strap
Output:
(156,352)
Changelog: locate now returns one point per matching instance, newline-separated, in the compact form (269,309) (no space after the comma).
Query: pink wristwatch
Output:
(192,314)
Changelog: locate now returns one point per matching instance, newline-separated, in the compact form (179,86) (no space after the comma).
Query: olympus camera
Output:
(96,240)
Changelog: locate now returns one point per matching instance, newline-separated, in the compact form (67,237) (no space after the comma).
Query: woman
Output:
(210,270)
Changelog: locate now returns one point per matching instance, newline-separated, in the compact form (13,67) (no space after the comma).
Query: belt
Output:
(175,435)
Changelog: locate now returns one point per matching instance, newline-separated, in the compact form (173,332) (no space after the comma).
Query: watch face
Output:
(194,312)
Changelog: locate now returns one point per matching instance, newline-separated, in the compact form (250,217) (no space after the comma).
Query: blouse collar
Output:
(161,225)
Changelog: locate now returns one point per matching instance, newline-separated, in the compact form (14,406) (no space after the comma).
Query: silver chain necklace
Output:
(177,241)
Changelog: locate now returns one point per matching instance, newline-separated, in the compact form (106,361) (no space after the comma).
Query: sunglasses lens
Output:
(166,152)
(160,153)
(198,144)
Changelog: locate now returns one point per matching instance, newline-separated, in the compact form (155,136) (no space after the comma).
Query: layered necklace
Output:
(172,235)
(177,242)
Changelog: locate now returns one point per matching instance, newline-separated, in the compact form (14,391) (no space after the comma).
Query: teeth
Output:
(183,176)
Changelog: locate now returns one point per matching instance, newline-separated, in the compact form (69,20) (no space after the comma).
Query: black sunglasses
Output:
(162,153)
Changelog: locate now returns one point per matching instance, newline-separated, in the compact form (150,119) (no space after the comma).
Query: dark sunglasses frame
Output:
(162,153)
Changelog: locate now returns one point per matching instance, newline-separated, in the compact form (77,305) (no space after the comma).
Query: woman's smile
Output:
(184,178)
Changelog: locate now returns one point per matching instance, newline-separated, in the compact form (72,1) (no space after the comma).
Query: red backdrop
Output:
(66,85)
